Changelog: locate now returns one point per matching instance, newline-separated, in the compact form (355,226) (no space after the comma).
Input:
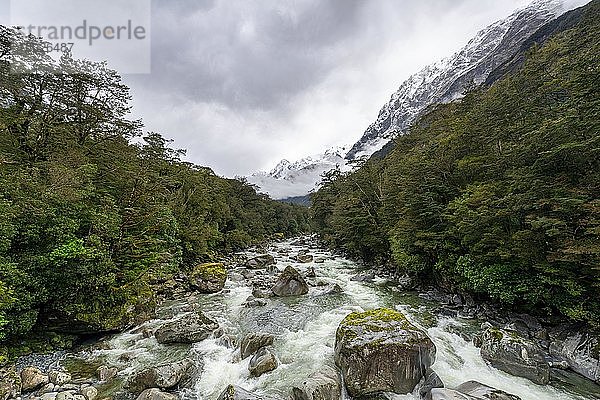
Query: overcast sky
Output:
(242,84)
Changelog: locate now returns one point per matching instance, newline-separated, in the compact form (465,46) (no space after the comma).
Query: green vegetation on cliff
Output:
(497,194)
(91,213)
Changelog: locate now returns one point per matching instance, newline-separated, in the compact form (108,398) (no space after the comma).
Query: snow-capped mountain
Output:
(441,82)
(449,78)
(298,178)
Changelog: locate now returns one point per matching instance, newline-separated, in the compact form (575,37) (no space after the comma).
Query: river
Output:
(305,332)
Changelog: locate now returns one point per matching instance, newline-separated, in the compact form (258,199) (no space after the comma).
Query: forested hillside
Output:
(91,213)
(497,194)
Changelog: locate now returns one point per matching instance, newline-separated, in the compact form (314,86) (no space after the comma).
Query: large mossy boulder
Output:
(516,355)
(189,328)
(381,351)
(208,277)
(290,283)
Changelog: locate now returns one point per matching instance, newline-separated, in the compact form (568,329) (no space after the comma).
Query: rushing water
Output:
(305,332)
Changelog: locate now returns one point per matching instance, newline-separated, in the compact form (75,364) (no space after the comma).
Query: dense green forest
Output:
(497,194)
(92,212)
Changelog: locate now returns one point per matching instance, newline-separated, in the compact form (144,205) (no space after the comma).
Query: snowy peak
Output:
(448,79)
(280,169)
(300,177)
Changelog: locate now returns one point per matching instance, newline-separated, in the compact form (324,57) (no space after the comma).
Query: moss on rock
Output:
(381,351)
(208,277)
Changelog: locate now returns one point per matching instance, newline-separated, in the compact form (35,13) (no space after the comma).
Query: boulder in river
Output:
(253,341)
(431,381)
(333,289)
(363,277)
(156,394)
(32,379)
(581,351)
(321,385)
(164,376)
(260,262)
(471,390)
(189,328)
(304,258)
(518,356)
(208,277)
(237,393)
(381,351)
(262,362)
(290,283)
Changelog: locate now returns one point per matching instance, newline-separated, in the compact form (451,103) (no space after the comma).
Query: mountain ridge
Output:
(443,81)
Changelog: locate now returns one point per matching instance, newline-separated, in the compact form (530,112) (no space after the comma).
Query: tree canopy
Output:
(497,194)
(92,211)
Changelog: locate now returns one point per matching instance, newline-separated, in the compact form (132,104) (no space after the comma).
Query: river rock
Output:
(237,393)
(260,262)
(252,302)
(47,388)
(106,374)
(32,379)
(253,341)
(518,356)
(156,394)
(290,283)
(333,289)
(471,390)
(208,277)
(381,351)
(321,385)
(89,392)
(165,376)
(49,396)
(262,362)
(69,395)
(190,328)
(259,293)
(431,381)
(59,378)
(580,351)
(304,258)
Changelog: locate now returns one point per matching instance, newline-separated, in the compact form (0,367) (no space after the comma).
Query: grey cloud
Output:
(247,54)
(242,84)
